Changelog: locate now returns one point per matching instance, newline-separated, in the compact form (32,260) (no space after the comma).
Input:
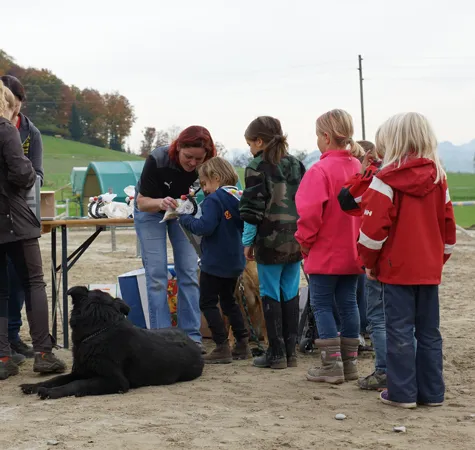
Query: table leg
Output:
(64,266)
(54,299)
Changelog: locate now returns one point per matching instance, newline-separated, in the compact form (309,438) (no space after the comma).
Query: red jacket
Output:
(323,227)
(408,228)
(352,192)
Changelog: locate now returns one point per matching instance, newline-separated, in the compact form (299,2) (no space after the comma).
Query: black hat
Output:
(15,86)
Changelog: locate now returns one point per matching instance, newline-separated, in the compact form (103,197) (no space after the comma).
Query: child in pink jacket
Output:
(328,237)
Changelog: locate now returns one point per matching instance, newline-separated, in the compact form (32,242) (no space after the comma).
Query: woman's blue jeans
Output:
(153,243)
(325,291)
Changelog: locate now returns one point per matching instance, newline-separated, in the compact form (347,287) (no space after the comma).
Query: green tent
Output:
(77,179)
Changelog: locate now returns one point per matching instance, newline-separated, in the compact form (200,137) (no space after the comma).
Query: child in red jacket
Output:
(407,234)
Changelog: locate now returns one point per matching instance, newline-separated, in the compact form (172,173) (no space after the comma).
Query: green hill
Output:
(61,155)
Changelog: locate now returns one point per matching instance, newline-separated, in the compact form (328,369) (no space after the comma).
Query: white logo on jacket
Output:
(368,213)
(168,184)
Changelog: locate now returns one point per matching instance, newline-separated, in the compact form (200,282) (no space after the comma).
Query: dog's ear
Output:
(78,292)
(121,306)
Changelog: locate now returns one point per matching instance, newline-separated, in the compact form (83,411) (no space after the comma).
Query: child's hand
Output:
(304,250)
(249,253)
(367,160)
(370,274)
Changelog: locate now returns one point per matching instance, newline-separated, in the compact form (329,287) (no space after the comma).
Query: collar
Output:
(335,154)
(102,330)
(18,122)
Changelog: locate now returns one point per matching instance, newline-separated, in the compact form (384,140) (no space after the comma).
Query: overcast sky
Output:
(220,64)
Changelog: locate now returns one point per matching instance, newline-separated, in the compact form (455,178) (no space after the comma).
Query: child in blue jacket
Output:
(222,257)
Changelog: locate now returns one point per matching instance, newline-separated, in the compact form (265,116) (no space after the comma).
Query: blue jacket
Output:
(220,225)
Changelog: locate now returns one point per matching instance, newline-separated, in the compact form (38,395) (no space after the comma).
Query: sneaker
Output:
(22,348)
(375,382)
(18,358)
(384,397)
(48,363)
(8,368)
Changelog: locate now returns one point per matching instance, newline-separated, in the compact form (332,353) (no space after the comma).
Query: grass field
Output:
(61,155)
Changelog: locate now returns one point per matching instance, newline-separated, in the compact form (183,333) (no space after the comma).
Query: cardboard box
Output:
(47,205)
(112,289)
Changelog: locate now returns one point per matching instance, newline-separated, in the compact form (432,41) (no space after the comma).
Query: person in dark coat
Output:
(30,138)
(19,233)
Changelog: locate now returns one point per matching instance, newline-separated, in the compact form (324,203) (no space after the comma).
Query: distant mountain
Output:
(456,158)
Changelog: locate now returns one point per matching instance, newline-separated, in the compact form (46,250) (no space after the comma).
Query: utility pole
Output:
(360,70)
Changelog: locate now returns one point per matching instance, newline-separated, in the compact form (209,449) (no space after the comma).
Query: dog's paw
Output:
(43,393)
(29,389)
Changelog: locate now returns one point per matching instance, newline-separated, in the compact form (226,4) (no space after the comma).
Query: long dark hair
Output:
(270,131)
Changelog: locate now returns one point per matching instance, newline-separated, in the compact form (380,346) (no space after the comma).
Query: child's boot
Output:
(290,319)
(220,355)
(275,357)
(349,355)
(332,365)
(241,349)
(7,368)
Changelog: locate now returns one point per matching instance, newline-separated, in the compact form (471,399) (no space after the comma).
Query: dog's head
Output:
(95,307)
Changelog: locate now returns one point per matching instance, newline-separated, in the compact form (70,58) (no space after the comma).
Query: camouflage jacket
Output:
(268,201)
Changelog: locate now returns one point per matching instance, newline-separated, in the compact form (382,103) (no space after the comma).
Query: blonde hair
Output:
(338,124)
(220,169)
(7,100)
(408,134)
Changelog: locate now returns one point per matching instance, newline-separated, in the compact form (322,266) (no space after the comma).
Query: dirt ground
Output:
(240,407)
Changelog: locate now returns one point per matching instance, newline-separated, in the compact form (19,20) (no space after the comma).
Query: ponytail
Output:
(356,149)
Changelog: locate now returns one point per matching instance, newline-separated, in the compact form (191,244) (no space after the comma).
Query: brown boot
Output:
(331,370)
(242,350)
(220,355)
(349,355)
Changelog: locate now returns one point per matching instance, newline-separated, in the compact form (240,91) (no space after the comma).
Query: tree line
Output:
(83,115)
(153,138)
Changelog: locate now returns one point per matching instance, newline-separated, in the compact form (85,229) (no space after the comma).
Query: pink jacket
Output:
(329,233)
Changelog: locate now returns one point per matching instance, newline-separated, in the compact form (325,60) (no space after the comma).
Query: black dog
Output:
(111,355)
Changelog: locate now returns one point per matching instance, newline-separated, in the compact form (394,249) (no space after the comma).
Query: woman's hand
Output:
(168,203)
(249,253)
(370,274)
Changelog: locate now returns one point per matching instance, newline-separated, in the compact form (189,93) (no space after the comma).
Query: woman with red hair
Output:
(168,173)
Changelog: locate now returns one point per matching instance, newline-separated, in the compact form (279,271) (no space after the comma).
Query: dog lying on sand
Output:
(111,355)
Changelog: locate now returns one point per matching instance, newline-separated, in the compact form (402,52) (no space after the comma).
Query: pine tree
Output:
(75,126)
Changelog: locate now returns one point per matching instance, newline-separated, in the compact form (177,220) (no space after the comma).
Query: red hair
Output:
(194,136)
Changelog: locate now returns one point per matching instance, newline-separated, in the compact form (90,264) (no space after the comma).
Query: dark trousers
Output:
(16,300)
(216,289)
(26,260)
(414,374)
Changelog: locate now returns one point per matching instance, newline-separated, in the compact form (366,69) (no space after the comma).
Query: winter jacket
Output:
(222,253)
(32,145)
(352,192)
(408,228)
(17,176)
(269,202)
(328,232)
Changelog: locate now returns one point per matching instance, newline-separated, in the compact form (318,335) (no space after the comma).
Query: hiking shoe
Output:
(18,358)
(331,370)
(384,397)
(375,382)
(8,368)
(241,349)
(22,348)
(48,363)
(220,355)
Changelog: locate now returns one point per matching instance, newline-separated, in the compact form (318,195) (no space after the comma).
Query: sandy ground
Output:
(240,407)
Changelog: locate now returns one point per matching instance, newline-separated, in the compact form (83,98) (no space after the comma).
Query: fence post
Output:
(113,239)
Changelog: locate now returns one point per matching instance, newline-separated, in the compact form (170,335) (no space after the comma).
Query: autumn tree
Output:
(93,111)
(146,145)
(120,118)
(221,150)
(162,139)
(75,125)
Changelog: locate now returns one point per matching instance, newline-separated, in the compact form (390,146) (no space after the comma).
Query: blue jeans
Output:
(16,300)
(361,301)
(325,290)
(414,374)
(275,279)
(153,243)
(376,322)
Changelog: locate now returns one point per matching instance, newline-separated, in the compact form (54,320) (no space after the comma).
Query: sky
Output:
(220,64)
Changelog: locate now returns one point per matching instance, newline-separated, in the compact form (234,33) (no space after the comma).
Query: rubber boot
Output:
(241,349)
(332,365)
(220,355)
(290,320)
(275,357)
(349,355)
